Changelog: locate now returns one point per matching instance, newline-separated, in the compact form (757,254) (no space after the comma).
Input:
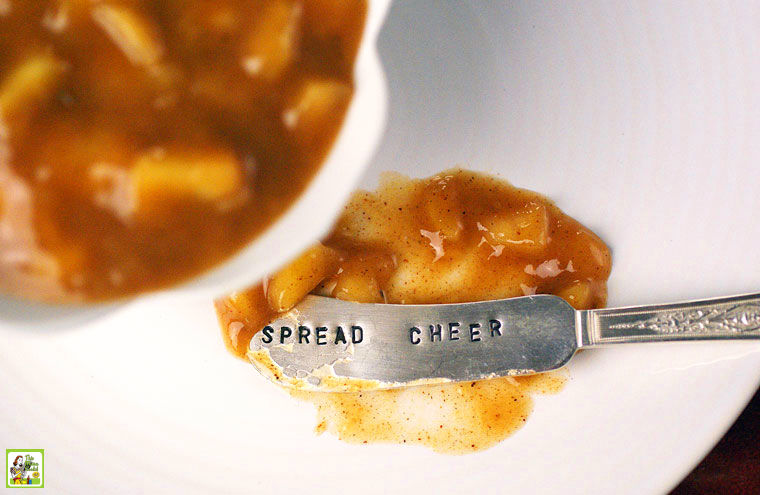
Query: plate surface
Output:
(640,120)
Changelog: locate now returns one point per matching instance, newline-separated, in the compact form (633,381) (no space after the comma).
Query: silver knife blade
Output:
(327,343)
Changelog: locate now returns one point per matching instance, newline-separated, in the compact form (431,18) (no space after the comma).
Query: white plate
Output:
(640,119)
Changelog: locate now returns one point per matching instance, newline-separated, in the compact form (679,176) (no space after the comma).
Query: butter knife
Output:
(330,344)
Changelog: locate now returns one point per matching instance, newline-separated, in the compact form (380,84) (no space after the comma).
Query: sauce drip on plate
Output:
(456,237)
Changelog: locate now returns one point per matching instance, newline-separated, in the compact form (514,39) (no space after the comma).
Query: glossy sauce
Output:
(144,142)
(455,418)
(455,237)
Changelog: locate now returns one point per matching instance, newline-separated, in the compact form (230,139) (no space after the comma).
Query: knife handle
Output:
(725,318)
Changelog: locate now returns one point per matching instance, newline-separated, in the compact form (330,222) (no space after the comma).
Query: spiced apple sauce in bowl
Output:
(144,144)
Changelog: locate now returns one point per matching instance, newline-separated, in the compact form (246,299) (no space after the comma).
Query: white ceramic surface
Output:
(642,120)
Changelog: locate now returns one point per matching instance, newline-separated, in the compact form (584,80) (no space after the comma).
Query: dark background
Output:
(733,466)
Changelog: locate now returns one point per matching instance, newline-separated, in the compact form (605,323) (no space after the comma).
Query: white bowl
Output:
(312,213)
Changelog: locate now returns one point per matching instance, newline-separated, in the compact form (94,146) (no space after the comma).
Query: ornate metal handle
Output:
(736,317)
